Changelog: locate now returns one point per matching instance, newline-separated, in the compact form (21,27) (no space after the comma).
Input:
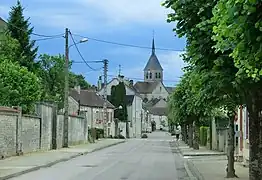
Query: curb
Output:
(57,161)
(192,171)
(203,154)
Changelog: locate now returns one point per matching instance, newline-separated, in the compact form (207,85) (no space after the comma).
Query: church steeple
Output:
(153,70)
(153,46)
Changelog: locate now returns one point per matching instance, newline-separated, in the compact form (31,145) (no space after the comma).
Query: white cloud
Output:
(90,15)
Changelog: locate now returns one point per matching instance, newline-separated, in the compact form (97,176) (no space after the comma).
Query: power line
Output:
(36,34)
(80,53)
(49,38)
(126,45)
(141,79)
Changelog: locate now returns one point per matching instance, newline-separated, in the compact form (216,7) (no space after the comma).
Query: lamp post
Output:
(116,121)
(66,88)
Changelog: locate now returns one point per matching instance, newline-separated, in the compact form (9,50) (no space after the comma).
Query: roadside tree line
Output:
(223,54)
(25,76)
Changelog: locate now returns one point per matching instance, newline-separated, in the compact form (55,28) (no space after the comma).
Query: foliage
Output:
(118,98)
(19,28)
(78,80)
(203,135)
(21,87)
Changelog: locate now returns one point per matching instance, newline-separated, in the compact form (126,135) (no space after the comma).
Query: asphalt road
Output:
(137,159)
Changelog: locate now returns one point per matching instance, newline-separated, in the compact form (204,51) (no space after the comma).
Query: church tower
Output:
(153,70)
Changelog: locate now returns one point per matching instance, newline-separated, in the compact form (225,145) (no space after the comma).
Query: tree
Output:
(21,87)
(19,28)
(217,86)
(238,30)
(51,71)
(78,79)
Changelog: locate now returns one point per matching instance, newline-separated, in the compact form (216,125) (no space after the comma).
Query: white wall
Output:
(136,116)
(160,91)
(95,115)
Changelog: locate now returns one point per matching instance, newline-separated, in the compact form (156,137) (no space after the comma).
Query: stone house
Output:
(91,103)
(134,104)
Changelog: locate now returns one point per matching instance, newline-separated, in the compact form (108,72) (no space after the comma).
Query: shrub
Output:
(144,136)
(203,135)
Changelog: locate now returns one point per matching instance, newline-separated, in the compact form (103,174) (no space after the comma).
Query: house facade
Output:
(91,104)
(134,105)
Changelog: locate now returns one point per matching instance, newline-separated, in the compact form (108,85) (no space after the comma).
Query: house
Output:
(135,110)
(154,92)
(91,103)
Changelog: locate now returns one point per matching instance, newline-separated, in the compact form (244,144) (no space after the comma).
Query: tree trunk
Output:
(255,154)
(127,129)
(196,136)
(230,170)
(116,128)
(183,133)
(190,135)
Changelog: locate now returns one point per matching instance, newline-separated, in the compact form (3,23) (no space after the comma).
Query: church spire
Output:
(153,43)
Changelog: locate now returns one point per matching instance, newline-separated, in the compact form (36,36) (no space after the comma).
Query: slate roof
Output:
(89,98)
(145,87)
(153,62)
(152,102)
(170,89)
(129,99)
(159,111)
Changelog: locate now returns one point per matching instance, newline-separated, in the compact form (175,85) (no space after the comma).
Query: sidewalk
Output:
(205,164)
(18,165)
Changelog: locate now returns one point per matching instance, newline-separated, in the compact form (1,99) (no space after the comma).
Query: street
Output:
(147,159)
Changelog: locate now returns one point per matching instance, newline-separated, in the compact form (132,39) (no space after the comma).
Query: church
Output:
(154,92)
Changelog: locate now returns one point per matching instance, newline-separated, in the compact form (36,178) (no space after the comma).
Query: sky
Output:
(131,22)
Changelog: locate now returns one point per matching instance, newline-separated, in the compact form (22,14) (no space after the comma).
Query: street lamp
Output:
(119,107)
(66,88)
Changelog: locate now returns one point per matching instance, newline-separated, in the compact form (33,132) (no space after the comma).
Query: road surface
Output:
(137,159)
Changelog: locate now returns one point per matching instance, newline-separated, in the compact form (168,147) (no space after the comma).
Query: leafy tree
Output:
(78,79)
(20,87)
(19,28)
(238,30)
(52,76)
(216,85)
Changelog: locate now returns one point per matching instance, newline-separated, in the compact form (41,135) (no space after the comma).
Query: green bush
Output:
(203,135)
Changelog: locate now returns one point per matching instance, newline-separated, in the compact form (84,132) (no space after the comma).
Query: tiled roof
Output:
(170,89)
(159,111)
(89,98)
(145,87)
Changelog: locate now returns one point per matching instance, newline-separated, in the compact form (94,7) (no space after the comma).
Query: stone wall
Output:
(43,131)
(30,135)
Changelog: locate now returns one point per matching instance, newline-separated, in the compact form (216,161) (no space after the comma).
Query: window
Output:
(150,75)
(159,75)
(160,88)
(147,75)
(156,75)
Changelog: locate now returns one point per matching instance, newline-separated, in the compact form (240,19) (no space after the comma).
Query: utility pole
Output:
(105,61)
(65,132)
(141,122)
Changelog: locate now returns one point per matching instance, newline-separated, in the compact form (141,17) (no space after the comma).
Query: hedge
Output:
(203,135)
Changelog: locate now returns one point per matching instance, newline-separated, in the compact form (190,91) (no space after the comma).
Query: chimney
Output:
(99,83)
(131,82)
(78,89)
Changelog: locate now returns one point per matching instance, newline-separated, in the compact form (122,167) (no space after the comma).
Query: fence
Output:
(29,133)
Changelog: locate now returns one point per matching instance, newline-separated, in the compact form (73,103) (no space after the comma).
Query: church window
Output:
(150,75)
(147,75)
(160,88)
(159,75)
(156,75)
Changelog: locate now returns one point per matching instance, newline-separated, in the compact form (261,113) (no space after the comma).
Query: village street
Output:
(150,158)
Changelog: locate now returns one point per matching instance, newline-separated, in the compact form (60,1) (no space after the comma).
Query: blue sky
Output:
(122,21)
